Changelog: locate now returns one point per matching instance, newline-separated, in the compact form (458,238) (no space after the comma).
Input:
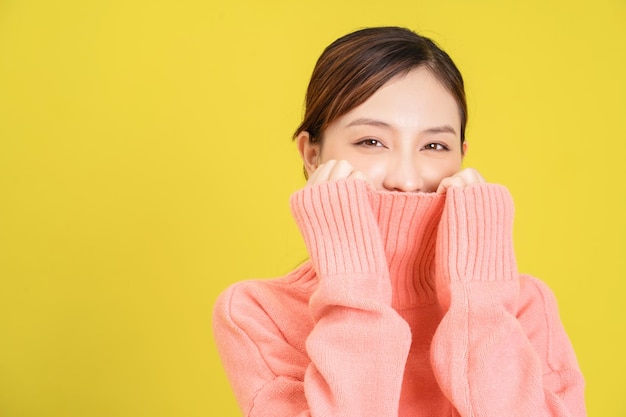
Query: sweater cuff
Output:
(339,228)
(475,241)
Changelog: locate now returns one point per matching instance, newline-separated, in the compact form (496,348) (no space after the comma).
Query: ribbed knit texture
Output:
(408,226)
(477,234)
(411,305)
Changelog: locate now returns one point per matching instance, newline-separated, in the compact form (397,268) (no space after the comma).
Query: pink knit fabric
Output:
(411,305)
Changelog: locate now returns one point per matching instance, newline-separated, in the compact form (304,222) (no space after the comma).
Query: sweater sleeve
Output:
(358,347)
(496,353)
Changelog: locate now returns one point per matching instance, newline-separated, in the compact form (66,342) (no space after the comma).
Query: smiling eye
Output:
(370,143)
(436,147)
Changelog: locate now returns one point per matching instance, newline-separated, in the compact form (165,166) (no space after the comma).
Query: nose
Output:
(403,174)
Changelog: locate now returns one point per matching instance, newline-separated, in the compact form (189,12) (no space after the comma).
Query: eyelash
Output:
(429,147)
(374,143)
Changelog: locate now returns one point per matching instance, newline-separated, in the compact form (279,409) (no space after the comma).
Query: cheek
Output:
(433,171)
(376,171)
(375,167)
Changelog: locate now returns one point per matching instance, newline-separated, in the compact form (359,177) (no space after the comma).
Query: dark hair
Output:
(356,65)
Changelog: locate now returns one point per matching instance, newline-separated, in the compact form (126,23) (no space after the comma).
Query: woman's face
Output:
(405,137)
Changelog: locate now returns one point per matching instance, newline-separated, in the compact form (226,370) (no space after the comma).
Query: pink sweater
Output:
(411,305)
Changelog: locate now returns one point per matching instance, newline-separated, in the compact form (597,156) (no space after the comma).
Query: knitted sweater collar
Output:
(408,226)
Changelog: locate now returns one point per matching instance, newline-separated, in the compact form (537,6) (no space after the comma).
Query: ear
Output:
(310,152)
(464,149)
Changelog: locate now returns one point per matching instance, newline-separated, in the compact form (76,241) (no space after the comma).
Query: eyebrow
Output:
(441,129)
(380,123)
(369,122)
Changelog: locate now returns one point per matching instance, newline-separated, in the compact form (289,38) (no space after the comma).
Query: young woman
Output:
(411,303)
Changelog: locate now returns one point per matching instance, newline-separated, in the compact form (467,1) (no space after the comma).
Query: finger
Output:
(470,176)
(332,170)
(456,181)
(449,182)
(463,178)
(443,185)
(321,173)
(361,176)
(341,170)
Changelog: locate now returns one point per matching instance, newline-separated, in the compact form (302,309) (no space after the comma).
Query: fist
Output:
(463,178)
(334,170)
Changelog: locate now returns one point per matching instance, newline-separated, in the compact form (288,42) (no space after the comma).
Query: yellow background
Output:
(146,164)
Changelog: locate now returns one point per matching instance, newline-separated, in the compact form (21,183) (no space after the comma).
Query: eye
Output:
(369,142)
(435,146)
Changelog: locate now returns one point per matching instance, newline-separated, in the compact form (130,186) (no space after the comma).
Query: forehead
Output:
(415,99)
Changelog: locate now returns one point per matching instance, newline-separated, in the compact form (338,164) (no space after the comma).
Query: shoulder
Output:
(265,321)
(536,294)
(256,299)
(538,314)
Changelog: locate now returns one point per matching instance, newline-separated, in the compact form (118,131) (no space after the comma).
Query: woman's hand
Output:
(462,178)
(334,170)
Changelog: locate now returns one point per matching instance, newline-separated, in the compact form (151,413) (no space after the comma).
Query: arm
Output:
(482,355)
(358,346)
